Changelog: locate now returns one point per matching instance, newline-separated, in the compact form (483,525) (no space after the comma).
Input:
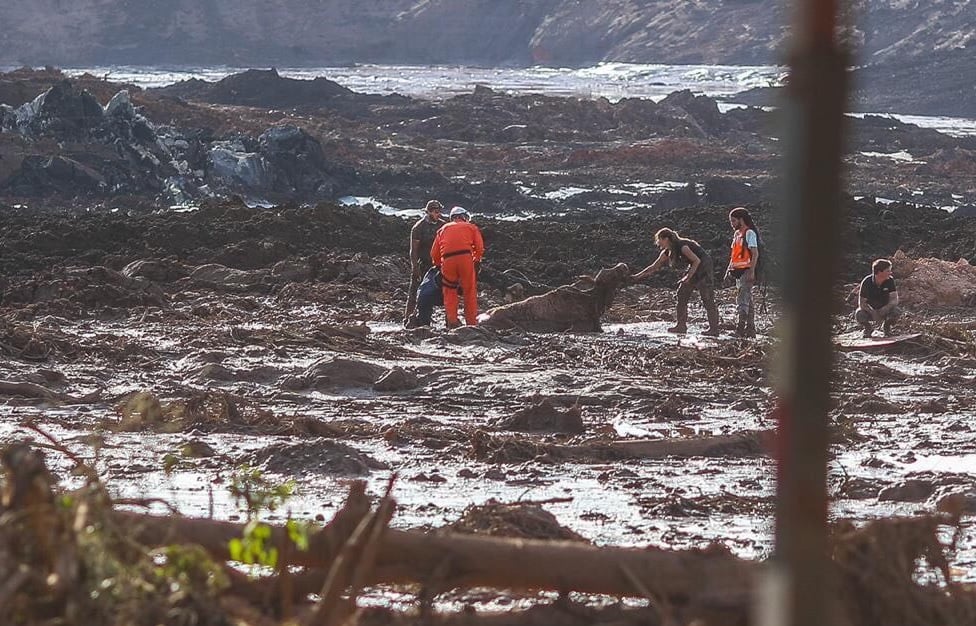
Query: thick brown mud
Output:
(167,350)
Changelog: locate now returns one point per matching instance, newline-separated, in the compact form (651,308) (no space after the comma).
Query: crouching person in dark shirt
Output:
(877,301)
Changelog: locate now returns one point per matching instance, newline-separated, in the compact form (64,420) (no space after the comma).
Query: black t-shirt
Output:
(680,260)
(876,295)
(425,230)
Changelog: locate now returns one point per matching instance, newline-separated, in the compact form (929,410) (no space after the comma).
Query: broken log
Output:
(699,577)
(33,390)
(507,449)
(745,443)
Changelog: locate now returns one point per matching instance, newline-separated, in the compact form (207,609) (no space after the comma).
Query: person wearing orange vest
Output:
(458,248)
(742,267)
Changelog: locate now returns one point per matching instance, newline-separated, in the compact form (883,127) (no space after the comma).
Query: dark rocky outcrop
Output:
(264,88)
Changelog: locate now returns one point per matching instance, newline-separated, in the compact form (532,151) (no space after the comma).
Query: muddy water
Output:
(904,420)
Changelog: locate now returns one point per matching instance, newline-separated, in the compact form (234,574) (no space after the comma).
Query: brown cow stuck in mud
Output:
(576,307)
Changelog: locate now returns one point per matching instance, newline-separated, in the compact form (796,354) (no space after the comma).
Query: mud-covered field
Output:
(168,356)
(198,360)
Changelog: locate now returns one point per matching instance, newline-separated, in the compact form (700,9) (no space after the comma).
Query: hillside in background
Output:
(908,46)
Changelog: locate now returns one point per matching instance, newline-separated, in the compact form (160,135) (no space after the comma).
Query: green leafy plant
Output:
(254,547)
(248,486)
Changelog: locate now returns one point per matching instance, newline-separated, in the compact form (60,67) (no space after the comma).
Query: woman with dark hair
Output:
(689,253)
(742,267)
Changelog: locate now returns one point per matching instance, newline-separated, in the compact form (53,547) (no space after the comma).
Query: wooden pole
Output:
(795,587)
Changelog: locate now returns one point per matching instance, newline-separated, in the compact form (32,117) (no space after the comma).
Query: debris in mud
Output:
(879,578)
(208,411)
(507,449)
(514,449)
(678,504)
(61,547)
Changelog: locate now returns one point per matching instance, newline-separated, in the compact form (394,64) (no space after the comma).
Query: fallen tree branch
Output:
(687,577)
(33,390)
(745,443)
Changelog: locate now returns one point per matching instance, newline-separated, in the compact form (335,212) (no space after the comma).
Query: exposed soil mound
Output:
(77,291)
(336,373)
(934,282)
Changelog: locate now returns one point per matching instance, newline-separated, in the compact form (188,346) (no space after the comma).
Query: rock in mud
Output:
(910,490)
(335,373)
(544,417)
(859,489)
(158,271)
(225,278)
(291,271)
(397,379)
(960,502)
(320,456)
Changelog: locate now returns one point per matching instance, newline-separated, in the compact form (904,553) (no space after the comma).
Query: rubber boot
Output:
(751,324)
(868,329)
(714,324)
(740,327)
(886,328)
(681,315)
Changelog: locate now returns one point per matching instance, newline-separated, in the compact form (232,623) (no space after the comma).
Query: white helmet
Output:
(459,211)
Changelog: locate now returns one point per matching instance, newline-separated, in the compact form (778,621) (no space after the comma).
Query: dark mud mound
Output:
(543,416)
(522,520)
(224,232)
(80,291)
(260,88)
(335,373)
(320,456)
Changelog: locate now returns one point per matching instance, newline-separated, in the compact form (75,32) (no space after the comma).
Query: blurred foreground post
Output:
(796,593)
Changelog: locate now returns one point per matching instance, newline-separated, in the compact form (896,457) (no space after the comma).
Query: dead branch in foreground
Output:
(457,560)
(59,548)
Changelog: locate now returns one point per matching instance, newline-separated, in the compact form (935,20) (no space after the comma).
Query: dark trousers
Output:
(703,281)
(863,317)
(412,290)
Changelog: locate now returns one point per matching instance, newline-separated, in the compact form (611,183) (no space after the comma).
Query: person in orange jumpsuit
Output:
(457,249)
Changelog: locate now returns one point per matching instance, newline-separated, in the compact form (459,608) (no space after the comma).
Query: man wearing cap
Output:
(457,249)
(421,239)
